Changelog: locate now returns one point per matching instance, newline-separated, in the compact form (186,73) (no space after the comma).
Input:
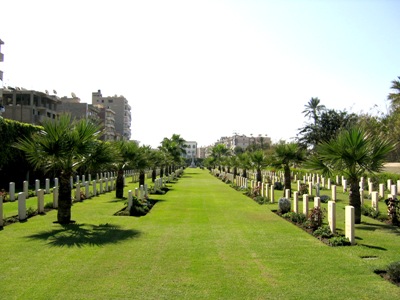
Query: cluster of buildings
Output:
(235,142)
(30,106)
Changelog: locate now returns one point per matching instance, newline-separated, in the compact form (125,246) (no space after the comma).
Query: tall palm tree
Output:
(352,153)
(313,108)
(395,97)
(285,155)
(175,147)
(61,147)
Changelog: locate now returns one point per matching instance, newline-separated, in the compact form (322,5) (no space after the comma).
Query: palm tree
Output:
(127,153)
(285,155)
(61,147)
(244,163)
(395,97)
(353,152)
(175,147)
(219,152)
(258,160)
(313,108)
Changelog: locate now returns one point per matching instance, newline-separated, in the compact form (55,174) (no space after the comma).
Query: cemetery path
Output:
(204,240)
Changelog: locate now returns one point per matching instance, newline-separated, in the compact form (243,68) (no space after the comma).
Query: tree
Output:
(313,108)
(219,152)
(175,147)
(258,160)
(352,153)
(395,96)
(327,126)
(61,147)
(284,156)
(127,153)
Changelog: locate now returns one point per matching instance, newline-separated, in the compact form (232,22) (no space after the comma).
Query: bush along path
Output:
(202,240)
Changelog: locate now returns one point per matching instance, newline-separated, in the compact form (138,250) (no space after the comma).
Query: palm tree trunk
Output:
(288,183)
(141,177)
(153,175)
(259,177)
(234,172)
(64,199)
(162,172)
(354,199)
(119,186)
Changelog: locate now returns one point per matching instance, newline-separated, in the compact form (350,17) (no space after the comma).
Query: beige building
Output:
(29,106)
(122,109)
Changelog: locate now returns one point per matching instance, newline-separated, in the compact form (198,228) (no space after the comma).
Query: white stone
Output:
(374,200)
(130,202)
(21,206)
(332,216)
(47,185)
(349,224)
(317,202)
(381,190)
(296,202)
(37,186)
(287,193)
(40,198)
(333,188)
(272,197)
(25,188)
(11,191)
(305,204)
(55,197)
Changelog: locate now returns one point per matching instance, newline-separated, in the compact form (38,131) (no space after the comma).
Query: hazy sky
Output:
(206,69)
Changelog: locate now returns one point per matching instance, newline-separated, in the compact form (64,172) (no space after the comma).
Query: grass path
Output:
(202,240)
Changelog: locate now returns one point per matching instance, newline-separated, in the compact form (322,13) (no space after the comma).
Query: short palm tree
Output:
(126,151)
(352,153)
(61,147)
(285,155)
(258,161)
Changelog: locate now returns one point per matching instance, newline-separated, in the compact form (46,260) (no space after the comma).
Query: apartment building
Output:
(1,78)
(244,141)
(29,106)
(122,109)
(191,149)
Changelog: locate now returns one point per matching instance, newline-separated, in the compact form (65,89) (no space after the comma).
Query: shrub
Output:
(278,186)
(393,271)
(323,232)
(324,198)
(393,209)
(303,189)
(339,241)
(316,217)
(284,205)
(260,199)
(298,218)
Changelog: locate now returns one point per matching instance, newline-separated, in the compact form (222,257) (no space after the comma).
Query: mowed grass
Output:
(202,240)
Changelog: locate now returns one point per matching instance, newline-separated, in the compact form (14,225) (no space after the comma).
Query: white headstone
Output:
(40,198)
(55,197)
(21,206)
(332,216)
(305,204)
(350,227)
(12,192)
(333,187)
(296,202)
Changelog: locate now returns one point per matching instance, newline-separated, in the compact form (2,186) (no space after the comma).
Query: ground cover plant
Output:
(204,240)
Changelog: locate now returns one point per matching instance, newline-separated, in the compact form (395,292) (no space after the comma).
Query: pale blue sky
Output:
(206,69)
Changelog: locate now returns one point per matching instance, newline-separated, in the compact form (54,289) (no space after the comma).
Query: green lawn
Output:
(202,240)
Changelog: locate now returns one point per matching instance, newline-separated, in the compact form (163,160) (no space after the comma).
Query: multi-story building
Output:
(29,106)
(1,78)
(78,109)
(191,149)
(99,114)
(1,59)
(244,141)
(107,117)
(122,109)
